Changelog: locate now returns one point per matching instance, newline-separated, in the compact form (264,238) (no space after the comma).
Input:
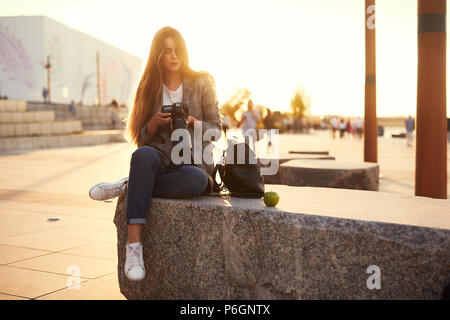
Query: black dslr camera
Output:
(178,113)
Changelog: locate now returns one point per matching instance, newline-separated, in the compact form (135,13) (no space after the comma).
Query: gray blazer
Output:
(200,96)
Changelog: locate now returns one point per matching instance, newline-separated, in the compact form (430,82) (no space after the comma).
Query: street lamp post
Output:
(431,122)
(98,79)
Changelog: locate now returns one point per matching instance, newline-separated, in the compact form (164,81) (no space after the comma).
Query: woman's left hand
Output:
(189,120)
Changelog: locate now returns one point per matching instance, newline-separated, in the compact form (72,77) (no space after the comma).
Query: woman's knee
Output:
(146,154)
(198,180)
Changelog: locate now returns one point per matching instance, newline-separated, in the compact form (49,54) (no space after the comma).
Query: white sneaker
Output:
(106,190)
(134,265)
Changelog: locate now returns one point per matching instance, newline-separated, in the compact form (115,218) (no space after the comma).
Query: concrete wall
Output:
(91,117)
(22,128)
(22,57)
(26,43)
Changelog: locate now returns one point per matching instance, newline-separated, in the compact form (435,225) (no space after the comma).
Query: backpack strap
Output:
(217,187)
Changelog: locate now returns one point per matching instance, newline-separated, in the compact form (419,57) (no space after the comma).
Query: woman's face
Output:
(170,60)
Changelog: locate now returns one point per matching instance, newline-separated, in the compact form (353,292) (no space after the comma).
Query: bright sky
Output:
(270,47)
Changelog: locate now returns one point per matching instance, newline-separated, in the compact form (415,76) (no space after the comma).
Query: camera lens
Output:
(179,123)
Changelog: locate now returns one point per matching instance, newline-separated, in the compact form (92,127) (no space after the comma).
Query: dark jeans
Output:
(150,177)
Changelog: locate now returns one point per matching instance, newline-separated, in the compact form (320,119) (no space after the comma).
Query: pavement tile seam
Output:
(67,255)
(89,226)
(73,299)
(105,275)
(30,212)
(48,252)
(92,216)
(51,272)
(52,251)
(83,256)
(17,261)
(22,247)
(82,238)
(44,211)
(21,234)
(48,198)
(14,295)
(87,244)
(82,280)
(77,255)
(86,256)
(78,216)
(52,292)
(28,233)
(60,251)
(71,224)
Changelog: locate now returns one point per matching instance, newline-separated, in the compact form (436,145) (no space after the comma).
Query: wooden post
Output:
(370,106)
(431,122)
(98,79)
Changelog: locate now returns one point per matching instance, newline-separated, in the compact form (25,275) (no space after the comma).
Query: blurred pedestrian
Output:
(72,109)
(448,129)
(248,123)
(342,128)
(353,130)
(334,122)
(349,128)
(45,94)
(114,114)
(285,123)
(410,126)
(290,125)
(359,127)
(226,124)
(269,126)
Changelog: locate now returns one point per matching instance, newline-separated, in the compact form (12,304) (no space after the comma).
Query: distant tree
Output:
(235,102)
(300,103)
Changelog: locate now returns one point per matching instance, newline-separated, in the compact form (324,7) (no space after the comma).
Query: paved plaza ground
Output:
(44,259)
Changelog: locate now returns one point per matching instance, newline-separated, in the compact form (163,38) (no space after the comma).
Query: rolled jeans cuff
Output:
(137,221)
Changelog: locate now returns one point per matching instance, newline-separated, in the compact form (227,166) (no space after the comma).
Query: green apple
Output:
(271,198)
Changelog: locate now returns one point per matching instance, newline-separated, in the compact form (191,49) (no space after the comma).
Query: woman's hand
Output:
(190,120)
(159,119)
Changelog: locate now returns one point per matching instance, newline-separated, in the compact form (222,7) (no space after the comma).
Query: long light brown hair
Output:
(149,91)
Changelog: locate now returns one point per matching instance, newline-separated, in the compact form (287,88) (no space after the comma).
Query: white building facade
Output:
(26,42)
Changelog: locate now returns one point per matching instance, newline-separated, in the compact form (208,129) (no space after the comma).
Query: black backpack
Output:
(239,173)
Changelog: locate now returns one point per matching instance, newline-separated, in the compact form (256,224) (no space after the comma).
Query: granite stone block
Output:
(30,116)
(5,117)
(266,161)
(220,248)
(46,128)
(17,117)
(7,130)
(20,129)
(34,128)
(331,174)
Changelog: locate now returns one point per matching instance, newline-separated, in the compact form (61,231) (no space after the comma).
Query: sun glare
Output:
(268,47)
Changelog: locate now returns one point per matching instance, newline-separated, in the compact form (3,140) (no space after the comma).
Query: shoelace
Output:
(135,260)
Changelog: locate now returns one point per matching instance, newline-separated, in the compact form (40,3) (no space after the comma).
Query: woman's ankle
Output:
(135,232)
